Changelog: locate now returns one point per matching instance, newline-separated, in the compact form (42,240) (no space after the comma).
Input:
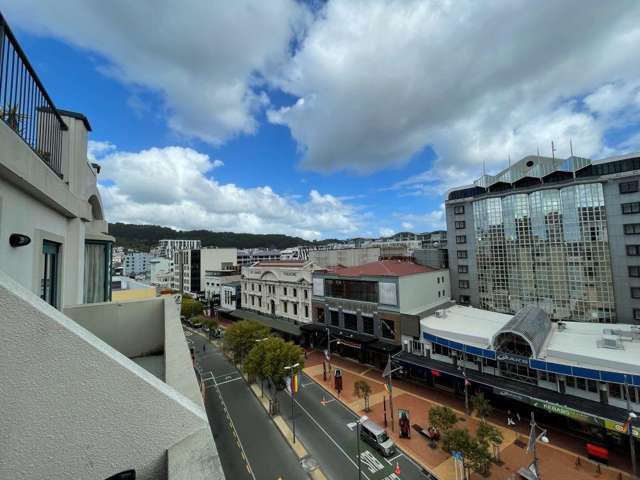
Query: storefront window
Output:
(388,329)
(335,318)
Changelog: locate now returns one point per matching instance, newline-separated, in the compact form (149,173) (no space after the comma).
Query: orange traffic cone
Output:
(397,472)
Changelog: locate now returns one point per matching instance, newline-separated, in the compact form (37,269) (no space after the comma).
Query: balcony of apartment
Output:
(113,385)
(25,105)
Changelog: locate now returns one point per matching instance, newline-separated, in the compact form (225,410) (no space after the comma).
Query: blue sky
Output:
(351,119)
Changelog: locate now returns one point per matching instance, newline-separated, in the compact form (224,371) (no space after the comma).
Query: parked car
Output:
(377,437)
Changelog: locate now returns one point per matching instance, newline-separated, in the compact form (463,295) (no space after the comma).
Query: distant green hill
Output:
(144,237)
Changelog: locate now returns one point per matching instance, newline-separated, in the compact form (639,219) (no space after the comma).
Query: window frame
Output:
(630,186)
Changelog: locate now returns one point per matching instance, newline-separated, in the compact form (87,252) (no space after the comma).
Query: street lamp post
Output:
(534,438)
(292,369)
(329,342)
(632,416)
(359,422)
(389,374)
(466,389)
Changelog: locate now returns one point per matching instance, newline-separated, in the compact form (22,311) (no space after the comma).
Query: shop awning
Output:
(606,416)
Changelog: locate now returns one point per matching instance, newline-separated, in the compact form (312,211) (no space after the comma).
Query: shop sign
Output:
(568,412)
(508,394)
(512,358)
(350,344)
(620,428)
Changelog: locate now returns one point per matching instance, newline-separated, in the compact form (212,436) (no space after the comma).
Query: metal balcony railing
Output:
(25,105)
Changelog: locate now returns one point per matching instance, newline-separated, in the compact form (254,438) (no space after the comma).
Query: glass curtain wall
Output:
(548,248)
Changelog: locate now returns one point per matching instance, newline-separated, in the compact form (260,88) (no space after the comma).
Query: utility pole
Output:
(388,374)
(630,419)
(293,387)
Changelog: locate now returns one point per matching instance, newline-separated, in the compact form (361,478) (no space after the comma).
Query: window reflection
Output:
(549,248)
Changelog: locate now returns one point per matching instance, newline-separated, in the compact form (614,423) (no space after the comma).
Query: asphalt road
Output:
(323,428)
(249,444)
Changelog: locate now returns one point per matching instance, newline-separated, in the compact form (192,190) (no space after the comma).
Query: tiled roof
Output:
(389,268)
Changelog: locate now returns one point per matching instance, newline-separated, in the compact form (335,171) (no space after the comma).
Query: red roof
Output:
(389,268)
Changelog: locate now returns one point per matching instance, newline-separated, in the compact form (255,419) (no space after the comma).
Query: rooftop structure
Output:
(388,268)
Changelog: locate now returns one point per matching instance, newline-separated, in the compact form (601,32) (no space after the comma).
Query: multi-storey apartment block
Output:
(167,247)
(563,234)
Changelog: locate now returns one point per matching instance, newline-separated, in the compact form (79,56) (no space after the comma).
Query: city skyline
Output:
(257,134)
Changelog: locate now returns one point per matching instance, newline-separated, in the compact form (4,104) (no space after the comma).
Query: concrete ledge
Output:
(195,458)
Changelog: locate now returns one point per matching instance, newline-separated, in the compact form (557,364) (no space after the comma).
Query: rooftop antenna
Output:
(571,146)
(483,168)
(553,150)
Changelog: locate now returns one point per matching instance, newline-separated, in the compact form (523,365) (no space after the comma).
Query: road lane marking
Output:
(324,402)
(371,462)
(235,433)
(389,460)
(228,381)
(330,437)
(234,372)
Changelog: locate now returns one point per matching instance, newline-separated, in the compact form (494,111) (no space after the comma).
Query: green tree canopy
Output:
(442,418)
(475,454)
(255,362)
(241,337)
(491,436)
(481,405)
(277,355)
(190,307)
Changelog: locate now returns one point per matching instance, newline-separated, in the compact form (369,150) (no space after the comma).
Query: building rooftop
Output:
(614,347)
(382,268)
(606,346)
(281,263)
(469,325)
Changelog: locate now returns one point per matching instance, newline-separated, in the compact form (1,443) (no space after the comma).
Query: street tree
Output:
(475,454)
(362,389)
(481,406)
(490,435)
(279,354)
(442,418)
(255,363)
(190,307)
(241,337)
(211,324)
(198,320)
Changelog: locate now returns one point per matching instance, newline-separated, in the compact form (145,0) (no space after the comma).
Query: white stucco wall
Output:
(135,328)
(420,292)
(73,407)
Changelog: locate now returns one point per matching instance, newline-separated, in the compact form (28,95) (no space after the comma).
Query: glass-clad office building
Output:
(548,248)
(560,234)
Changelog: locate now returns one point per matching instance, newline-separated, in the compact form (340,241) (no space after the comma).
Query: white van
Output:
(377,437)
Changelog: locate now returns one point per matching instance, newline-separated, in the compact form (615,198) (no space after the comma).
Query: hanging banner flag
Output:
(435,373)
(296,382)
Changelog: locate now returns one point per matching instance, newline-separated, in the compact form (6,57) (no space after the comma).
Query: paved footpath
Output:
(555,462)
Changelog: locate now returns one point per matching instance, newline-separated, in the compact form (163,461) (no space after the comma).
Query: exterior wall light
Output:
(18,240)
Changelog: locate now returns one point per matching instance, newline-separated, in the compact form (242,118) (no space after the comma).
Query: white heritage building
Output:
(280,288)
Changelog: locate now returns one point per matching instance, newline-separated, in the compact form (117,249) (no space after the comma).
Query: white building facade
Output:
(90,388)
(136,263)
(279,289)
(167,247)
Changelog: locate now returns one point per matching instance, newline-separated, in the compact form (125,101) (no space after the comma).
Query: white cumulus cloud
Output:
(378,81)
(173,186)
(206,59)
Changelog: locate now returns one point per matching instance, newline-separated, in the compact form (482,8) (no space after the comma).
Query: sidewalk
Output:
(557,461)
